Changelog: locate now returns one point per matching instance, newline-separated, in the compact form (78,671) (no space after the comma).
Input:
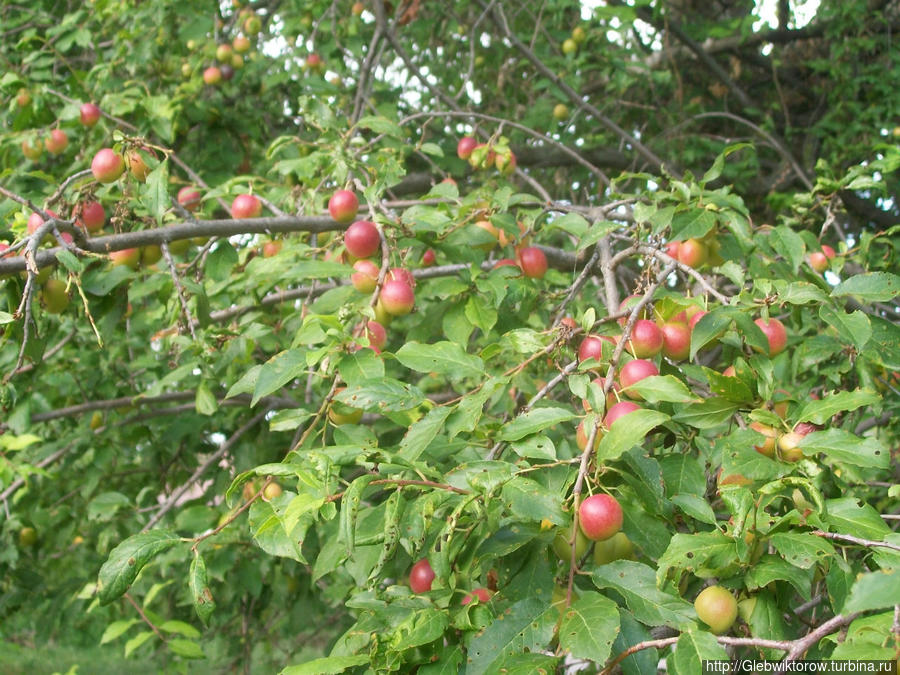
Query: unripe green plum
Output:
(563,548)
(617,547)
(717,608)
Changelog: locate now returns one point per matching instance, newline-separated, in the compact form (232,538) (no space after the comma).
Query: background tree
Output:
(626,338)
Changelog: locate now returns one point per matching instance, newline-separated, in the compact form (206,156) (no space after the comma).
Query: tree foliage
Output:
(205,455)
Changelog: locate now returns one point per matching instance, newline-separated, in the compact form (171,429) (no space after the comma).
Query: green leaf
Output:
(443,358)
(695,507)
(708,328)
(128,558)
(186,648)
(423,432)
(156,192)
(800,293)
(627,432)
(420,628)
(801,549)
(852,327)
(179,627)
(526,626)
(705,554)
(636,583)
(480,313)
(104,506)
(201,596)
(381,395)
(68,260)
(278,371)
(870,287)
(318,269)
(571,223)
(330,665)
(843,446)
(533,421)
(823,410)
(381,125)
(535,447)
(692,224)
(662,388)
(772,568)
(875,590)
(692,649)
(270,531)
(589,627)
(361,365)
(137,641)
(205,401)
(849,516)
(116,629)
(220,261)
(711,413)
(597,231)
(529,500)
(788,244)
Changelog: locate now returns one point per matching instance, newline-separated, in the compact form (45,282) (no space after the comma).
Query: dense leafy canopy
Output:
(204,457)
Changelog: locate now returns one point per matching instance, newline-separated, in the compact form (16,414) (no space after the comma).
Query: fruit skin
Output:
(600,517)
(646,339)
(271,491)
(340,414)
(376,335)
(581,437)
(130,257)
(635,371)
(96,420)
(57,142)
(533,262)
(241,44)
(90,215)
(223,53)
(33,150)
(150,255)
(776,334)
(362,239)
(107,166)
(428,258)
(563,548)
(618,410)
(693,253)
(818,260)
(421,576)
(465,146)
(717,608)
(402,274)
(365,278)
(137,167)
(212,75)
(27,537)
(189,198)
(272,248)
(569,46)
(89,114)
(768,446)
(246,206)
(54,296)
(617,547)
(592,347)
(481,594)
(787,446)
(398,297)
(676,340)
(343,206)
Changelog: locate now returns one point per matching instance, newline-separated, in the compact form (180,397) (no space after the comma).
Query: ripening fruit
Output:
(600,517)
(271,491)
(130,257)
(365,278)
(27,537)
(617,547)
(56,142)
(402,274)
(107,166)
(212,75)
(481,594)
(189,198)
(591,347)
(533,262)
(223,53)
(241,44)
(341,413)
(376,335)
(362,239)
(676,340)
(560,112)
(563,548)
(420,576)
(54,296)
(767,447)
(96,420)
(246,206)
(398,298)
(582,435)
(776,334)
(34,149)
(569,46)
(90,215)
(150,255)
(646,339)
(506,162)
(717,608)
(618,410)
(465,146)
(693,253)
(818,260)
(252,25)
(272,248)
(343,206)
(89,114)
(788,449)
(428,258)
(634,371)
(23,98)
